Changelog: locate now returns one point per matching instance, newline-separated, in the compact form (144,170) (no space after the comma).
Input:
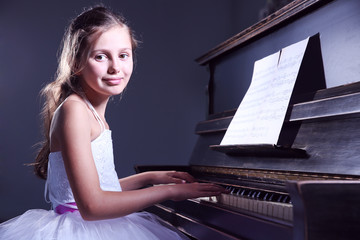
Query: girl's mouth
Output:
(112,81)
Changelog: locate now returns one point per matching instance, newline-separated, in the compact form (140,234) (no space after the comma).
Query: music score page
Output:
(260,116)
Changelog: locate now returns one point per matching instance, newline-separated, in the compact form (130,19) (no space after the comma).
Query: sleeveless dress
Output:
(66,223)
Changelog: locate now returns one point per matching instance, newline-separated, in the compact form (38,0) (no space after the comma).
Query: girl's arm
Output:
(73,130)
(154,177)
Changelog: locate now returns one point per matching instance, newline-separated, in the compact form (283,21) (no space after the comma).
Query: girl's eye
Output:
(124,56)
(100,57)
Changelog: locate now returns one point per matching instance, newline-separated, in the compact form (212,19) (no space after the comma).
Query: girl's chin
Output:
(108,91)
(115,92)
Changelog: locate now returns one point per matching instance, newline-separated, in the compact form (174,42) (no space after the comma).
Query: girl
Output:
(88,199)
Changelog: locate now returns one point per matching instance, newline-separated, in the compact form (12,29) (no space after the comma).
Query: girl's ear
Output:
(77,73)
(77,69)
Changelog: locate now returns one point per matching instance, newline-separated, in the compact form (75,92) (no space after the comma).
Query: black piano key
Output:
(271,197)
(286,199)
(261,195)
(244,192)
(266,196)
(254,194)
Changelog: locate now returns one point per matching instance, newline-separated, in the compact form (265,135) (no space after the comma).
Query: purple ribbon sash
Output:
(61,209)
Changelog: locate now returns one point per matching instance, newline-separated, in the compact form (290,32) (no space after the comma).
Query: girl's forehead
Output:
(114,37)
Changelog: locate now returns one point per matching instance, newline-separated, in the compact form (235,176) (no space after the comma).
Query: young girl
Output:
(88,200)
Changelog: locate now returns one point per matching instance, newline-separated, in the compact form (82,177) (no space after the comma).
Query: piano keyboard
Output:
(271,204)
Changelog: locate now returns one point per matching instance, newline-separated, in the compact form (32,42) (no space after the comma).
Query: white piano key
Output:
(280,211)
(237,202)
(251,205)
(288,213)
(260,208)
(246,203)
(232,200)
(224,198)
(268,208)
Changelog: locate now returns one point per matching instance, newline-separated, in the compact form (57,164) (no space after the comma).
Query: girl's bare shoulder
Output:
(70,118)
(75,105)
(74,100)
(73,111)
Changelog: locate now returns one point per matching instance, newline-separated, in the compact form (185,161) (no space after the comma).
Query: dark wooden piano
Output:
(274,195)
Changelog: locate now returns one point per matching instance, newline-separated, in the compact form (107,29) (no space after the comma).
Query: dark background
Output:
(153,123)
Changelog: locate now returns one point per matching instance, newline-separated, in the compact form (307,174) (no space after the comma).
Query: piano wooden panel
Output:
(328,131)
(326,209)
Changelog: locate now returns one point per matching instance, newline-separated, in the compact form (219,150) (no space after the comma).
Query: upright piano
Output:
(280,193)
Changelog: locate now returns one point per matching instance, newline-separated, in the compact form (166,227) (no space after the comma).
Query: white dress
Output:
(42,224)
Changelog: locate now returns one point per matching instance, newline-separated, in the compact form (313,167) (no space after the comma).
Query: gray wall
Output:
(155,120)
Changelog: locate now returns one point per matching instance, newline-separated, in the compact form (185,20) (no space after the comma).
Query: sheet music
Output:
(260,116)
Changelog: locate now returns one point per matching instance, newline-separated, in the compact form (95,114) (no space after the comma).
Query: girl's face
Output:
(110,63)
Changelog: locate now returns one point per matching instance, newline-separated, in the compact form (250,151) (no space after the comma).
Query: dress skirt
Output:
(41,224)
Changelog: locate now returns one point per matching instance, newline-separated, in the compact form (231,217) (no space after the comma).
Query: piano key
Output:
(251,205)
(263,202)
(286,199)
(279,213)
(266,196)
(288,213)
(269,209)
(271,197)
(260,208)
(255,205)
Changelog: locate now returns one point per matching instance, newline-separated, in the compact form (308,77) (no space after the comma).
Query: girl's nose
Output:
(114,68)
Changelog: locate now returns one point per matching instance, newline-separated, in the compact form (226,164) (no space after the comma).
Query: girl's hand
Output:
(181,192)
(166,177)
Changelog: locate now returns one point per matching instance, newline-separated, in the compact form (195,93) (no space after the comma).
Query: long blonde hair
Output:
(74,52)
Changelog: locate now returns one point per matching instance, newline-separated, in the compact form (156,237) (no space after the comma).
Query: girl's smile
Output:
(112,81)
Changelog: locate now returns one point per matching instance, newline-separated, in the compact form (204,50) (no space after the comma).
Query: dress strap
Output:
(46,191)
(102,125)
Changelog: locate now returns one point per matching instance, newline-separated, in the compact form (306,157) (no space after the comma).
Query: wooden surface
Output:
(326,209)
(290,12)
